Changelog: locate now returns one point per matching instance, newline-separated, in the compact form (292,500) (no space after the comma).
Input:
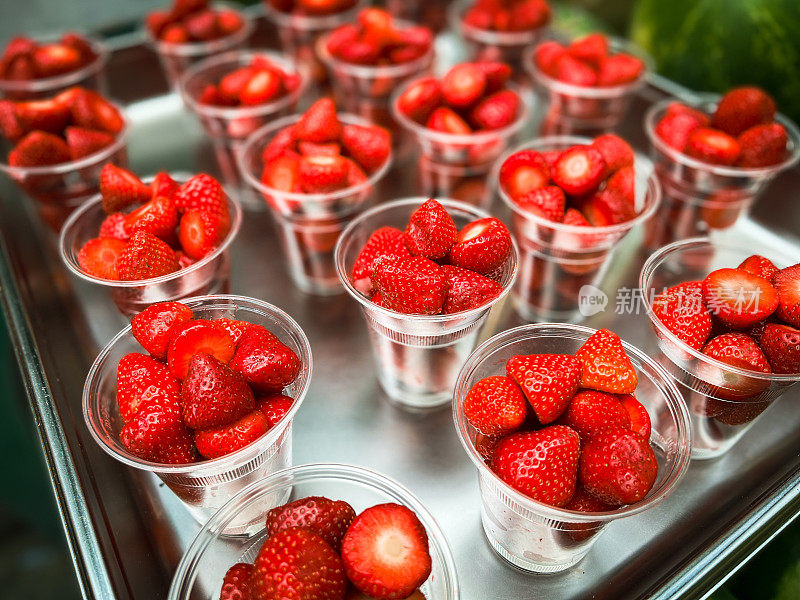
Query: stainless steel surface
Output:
(127,532)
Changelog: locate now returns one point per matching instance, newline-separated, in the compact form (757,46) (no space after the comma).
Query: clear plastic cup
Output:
(466,184)
(723,401)
(208,557)
(177,58)
(229,127)
(557,260)
(299,33)
(204,487)
(308,225)
(206,276)
(91,76)
(430,13)
(539,538)
(700,197)
(59,189)
(574,109)
(417,357)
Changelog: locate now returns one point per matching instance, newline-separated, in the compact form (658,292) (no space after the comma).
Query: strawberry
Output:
(763,145)
(615,151)
(431,231)
(410,285)
(38,149)
(548,202)
(713,146)
(575,218)
(606,366)
(283,173)
(319,123)
(228,22)
(213,394)
(121,188)
(463,85)
(231,85)
(183,8)
(175,33)
(758,265)
(495,406)
(589,412)
(142,380)
(420,99)
(355,594)
(384,241)
(739,299)
(743,108)
(156,433)
(467,289)
(200,233)
(482,246)
(204,193)
(55,59)
(575,72)
(20,68)
(618,466)
(523,172)
(274,408)
(579,170)
(213,442)
(265,85)
(236,583)
(330,519)
(297,564)
(234,328)
(10,127)
(355,175)
(385,552)
(678,124)
(46,115)
(496,111)
(83,142)
(285,140)
(370,146)
(190,337)
(592,49)
(607,207)
(312,149)
(158,217)
(266,363)
(99,257)
(497,74)
(201,26)
(622,184)
(781,346)
(583,501)
(546,56)
(91,110)
(320,174)
(153,327)
(681,310)
(447,120)
(113,226)
(619,70)
(549,381)
(640,419)
(738,350)
(541,464)
(787,284)
(144,257)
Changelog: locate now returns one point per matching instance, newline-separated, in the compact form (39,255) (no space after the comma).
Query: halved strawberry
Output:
(38,149)
(265,85)
(781,346)
(91,110)
(191,337)
(743,108)
(236,583)
(495,406)
(120,188)
(312,149)
(153,327)
(158,216)
(759,265)
(266,363)
(547,202)
(144,257)
(234,328)
(431,231)
(619,70)
(156,433)
(141,380)
(607,207)
(285,140)
(573,71)
(83,142)
(213,394)
(213,442)
(606,366)
(163,185)
(739,299)
(55,59)
(523,172)
(787,283)
(549,381)
(496,111)
(447,120)
(467,289)
(497,74)
(420,99)
(713,146)
(45,115)
(640,419)
(369,146)
(579,170)
(200,233)
(175,33)
(274,407)
(616,152)
(201,25)
(592,48)
(320,174)
(622,184)
(228,21)
(482,246)
(283,173)
(678,124)
(590,411)
(763,145)
(232,84)
(328,518)
(682,311)
(546,56)
(100,257)
(463,85)
(410,285)
(319,123)
(113,226)
(384,241)
(10,126)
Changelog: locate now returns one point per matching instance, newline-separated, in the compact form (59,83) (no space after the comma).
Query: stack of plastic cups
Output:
(204,487)
(724,401)
(700,198)
(308,225)
(417,357)
(536,537)
(557,260)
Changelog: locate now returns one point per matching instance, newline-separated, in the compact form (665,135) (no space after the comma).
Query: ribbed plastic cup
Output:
(204,487)
(699,197)
(723,401)
(557,260)
(209,556)
(308,225)
(536,537)
(206,276)
(417,357)
(466,184)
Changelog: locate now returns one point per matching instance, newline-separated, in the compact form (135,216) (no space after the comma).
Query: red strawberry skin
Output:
(495,406)
(266,363)
(467,290)
(158,217)
(549,381)
(142,380)
(328,518)
(236,584)
(591,411)
(214,442)
(463,85)
(188,338)
(743,108)
(370,146)
(213,394)
(606,366)
(787,284)
(640,419)
(156,433)
(781,345)
(682,311)
(319,124)
(431,231)
(153,325)
(482,246)
(523,172)
(412,285)
(145,257)
(274,407)
(759,265)
(496,111)
(121,188)
(384,241)
(738,298)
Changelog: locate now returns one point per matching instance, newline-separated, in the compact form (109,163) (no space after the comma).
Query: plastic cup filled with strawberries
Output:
(570,429)
(316,172)
(155,241)
(191,30)
(573,200)
(426,274)
(55,148)
(201,393)
(714,155)
(330,531)
(588,84)
(430,13)
(727,324)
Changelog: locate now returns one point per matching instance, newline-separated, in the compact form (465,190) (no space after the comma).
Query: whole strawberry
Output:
(781,345)
(549,382)
(482,246)
(214,442)
(152,326)
(591,411)
(213,394)
(328,518)
(142,380)
(384,241)
(467,289)
(495,406)
(156,433)
(369,146)
(144,257)
(431,231)
(121,188)
(410,285)
(682,311)
(606,366)
(266,363)
(787,284)
(236,584)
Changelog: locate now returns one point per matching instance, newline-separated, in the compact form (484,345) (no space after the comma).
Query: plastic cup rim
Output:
(311,22)
(488,36)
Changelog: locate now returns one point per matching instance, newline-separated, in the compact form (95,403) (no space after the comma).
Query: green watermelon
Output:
(713,45)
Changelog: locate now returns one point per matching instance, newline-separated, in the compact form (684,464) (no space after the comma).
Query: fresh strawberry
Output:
(759,265)
(163,185)
(330,519)
(285,140)
(265,85)
(738,350)
(213,394)
(548,202)
(497,74)
(583,501)
(188,338)
(200,233)
(91,110)
(447,120)
(232,84)
(546,56)
(266,363)
(467,289)
(229,22)
(370,146)
(589,412)
(204,193)
(743,108)
(618,466)
(787,284)
(141,380)
(575,72)
(606,366)
(592,49)
(420,99)
(202,25)
(45,115)
(482,246)
(678,124)
(10,127)
(121,188)
(682,311)
(297,564)
(385,552)
(56,59)
(38,149)
(615,151)
(156,433)
(144,257)
(99,257)
(321,174)
(274,407)
(549,381)
(495,406)
(607,207)
(496,111)
(763,145)
(158,217)
(283,173)
(312,149)
(431,231)
(781,346)
(213,442)
(113,226)
(713,146)
(640,419)
(523,172)
(319,123)
(410,285)
(739,299)
(153,326)
(83,142)
(463,85)
(355,175)
(541,464)
(622,184)
(579,170)
(575,217)
(236,584)
(384,241)
(234,328)
(355,594)
(619,70)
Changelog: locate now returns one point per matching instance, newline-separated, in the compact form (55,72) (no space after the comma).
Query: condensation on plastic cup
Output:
(204,487)
(206,276)
(308,225)
(724,401)
(700,197)
(557,259)
(536,537)
(417,357)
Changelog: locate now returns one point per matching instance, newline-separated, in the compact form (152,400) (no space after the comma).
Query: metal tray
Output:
(126,532)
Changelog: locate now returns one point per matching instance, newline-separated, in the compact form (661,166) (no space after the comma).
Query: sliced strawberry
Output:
(312,149)
(781,345)
(282,173)
(99,257)
(285,140)
(369,146)
(236,583)
(763,145)
(622,184)
(158,217)
(234,328)
(91,110)
(384,241)
(547,202)
(410,285)
(606,366)
(547,55)
(266,363)
(608,207)
(575,72)
(497,74)
(463,85)
(420,99)
(482,246)
(153,327)
(496,111)
(121,188)
(759,265)
(682,311)
(328,518)
(589,412)
(83,142)
(739,299)
(38,149)
(319,123)
(200,233)
(45,115)
(713,146)
(264,86)
(678,124)
(320,174)
(142,380)
(214,442)
(431,231)
(447,120)
(10,126)
(495,406)
(144,257)
(55,59)
(191,337)
(274,407)
(524,172)
(592,48)
(579,170)
(616,152)
(549,381)
(640,419)
(113,226)
(213,394)
(743,108)
(467,290)
(156,433)
(619,70)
